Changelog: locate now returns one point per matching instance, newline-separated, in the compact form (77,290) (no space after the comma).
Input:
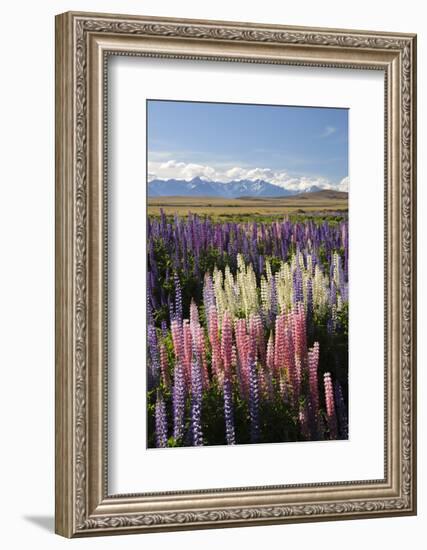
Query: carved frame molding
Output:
(83,42)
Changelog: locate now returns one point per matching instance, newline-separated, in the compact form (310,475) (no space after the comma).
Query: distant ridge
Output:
(198,187)
(323,194)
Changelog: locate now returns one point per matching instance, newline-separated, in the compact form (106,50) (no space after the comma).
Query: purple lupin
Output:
(196,400)
(161,422)
(178,298)
(253,398)
(341,411)
(229,412)
(178,401)
(153,357)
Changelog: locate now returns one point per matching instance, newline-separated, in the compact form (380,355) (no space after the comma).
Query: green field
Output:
(326,202)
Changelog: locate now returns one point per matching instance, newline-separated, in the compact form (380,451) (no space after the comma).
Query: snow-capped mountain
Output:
(312,189)
(198,187)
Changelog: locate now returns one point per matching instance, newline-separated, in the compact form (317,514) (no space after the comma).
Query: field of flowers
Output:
(247,331)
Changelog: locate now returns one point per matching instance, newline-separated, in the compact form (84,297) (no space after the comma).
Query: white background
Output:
(133,468)
(27,275)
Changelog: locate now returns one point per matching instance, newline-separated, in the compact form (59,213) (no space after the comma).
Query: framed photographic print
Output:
(235,274)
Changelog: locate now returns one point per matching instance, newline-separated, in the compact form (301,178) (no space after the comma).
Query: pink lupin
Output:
(298,323)
(330,405)
(243,348)
(188,350)
(292,363)
(269,370)
(194,314)
(313,364)
(214,341)
(201,347)
(279,344)
(177,339)
(270,354)
(256,332)
(226,343)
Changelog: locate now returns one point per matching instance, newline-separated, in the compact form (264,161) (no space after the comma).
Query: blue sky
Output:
(292,147)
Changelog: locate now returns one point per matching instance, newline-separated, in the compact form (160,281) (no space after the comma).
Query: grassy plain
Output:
(306,205)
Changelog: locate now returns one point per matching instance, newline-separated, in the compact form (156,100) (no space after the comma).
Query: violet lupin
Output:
(260,265)
(253,398)
(153,357)
(332,304)
(208,296)
(161,422)
(297,295)
(227,359)
(150,302)
(164,327)
(178,298)
(178,401)
(229,412)
(196,400)
(341,411)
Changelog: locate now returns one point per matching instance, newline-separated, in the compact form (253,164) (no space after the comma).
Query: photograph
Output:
(247,273)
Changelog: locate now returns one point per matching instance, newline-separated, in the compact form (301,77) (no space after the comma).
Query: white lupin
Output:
(239,294)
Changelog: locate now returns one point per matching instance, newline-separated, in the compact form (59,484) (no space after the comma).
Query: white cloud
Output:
(173,169)
(328,131)
(343,184)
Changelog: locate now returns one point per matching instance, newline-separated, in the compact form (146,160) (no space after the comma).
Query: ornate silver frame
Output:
(83,42)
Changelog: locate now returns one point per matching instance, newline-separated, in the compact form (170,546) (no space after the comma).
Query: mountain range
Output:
(198,187)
